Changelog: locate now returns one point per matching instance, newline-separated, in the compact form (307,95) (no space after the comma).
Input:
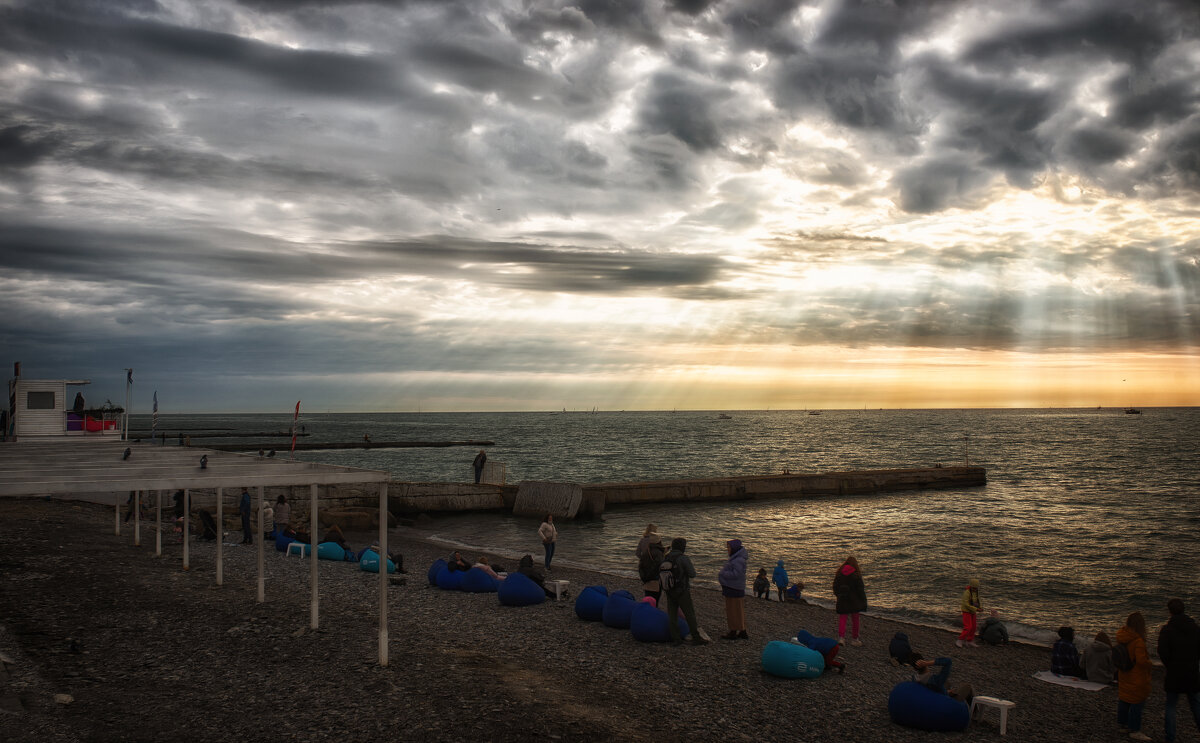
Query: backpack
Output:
(1122,657)
(670,576)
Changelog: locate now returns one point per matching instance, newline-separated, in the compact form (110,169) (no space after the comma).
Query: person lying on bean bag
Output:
(486,567)
(901,652)
(826,646)
(458,562)
(530,571)
(937,680)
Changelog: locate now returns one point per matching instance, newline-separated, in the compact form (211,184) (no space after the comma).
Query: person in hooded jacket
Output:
(650,555)
(1064,657)
(732,578)
(993,631)
(901,651)
(851,595)
(780,578)
(762,586)
(1179,649)
(526,567)
(969,606)
(680,597)
(1098,661)
(1133,686)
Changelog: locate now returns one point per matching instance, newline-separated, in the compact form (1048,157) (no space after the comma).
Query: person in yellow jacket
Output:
(1133,686)
(969,606)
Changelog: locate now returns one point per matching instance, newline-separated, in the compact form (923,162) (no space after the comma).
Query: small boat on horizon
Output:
(1132,411)
(725,417)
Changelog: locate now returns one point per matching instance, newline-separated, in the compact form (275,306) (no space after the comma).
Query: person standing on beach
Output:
(851,595)
(283,514)
(780,578)
(679,598)
(1133,686)
(1179,649)
(480,460)
(969,606)
(244,510)
(549,537)
(732,578)
(650,554)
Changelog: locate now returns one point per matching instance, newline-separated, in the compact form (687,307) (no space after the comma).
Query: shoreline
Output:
(159,651)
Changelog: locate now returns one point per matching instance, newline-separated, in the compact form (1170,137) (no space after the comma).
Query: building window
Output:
(40,401)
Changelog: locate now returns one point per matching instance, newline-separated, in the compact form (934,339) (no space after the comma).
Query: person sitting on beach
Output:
(1098,660)
(795,592)
(901,651)
(993,631)
(780,577)
(458,562)
(334,534)
(283,514)
(1064,657)
(937,681)
(395,557)
(486,567)
(526,567)
(762,586)
(826,646)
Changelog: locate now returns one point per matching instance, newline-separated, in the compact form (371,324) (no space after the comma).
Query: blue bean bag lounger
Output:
(449,580)
(649,624)
(589,604)
(370,562)
(519,590)
(476,580)
(331,551)
(618,609)
(915,705)
(281,542)
(434,569)
(791,661)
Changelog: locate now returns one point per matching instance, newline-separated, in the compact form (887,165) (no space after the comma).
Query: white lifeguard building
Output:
(39,409)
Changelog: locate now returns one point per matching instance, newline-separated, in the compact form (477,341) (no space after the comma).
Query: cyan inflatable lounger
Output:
(370,562)
(791,661)
(915,705)
(589,604)
(519,590)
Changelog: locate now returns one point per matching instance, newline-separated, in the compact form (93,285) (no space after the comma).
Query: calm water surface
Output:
(1087,514)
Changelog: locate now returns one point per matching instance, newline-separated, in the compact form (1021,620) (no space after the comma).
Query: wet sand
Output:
(148,651)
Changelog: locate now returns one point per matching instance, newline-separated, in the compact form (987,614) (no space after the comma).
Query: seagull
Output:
(125,456)
(204,462)
(271,454)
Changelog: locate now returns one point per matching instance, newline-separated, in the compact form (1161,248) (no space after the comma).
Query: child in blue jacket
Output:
(780,579)
(826,646)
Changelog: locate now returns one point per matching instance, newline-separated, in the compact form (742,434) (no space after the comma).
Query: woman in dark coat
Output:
(851,595)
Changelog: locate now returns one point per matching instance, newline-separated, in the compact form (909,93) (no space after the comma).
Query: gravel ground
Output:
(148,651)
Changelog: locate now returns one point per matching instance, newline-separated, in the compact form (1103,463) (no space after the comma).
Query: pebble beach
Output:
(105,641)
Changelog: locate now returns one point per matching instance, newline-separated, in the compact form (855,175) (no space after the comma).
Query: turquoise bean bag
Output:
(449,580)
(370,562)
(650,625)
(589,604)
(476,580)
(791,661)
(331,551)
(915,705)
(519,590)
(281,542)
(434,569)
(618,609)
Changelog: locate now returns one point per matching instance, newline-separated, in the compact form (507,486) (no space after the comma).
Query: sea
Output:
(1087,515)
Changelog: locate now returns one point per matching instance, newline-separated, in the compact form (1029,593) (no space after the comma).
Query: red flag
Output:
(295,418)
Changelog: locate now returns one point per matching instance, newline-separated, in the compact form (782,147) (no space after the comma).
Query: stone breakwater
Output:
(146,651)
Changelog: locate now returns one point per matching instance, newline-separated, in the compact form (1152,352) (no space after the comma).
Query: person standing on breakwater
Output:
(969,606)
(480,460)
(733,587)
(283,514)
(679,598)
(549,537)
(1179,649)
(851,595)
(1133,686)
(650,554)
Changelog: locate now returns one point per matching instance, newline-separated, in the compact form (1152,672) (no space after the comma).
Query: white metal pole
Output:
(383,579)
(187,526)
(220,535)
(125,425)
(158,525)
(259,539)
(312,565)
(262,580)
(137,518)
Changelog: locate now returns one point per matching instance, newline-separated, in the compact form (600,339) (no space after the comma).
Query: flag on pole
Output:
(295,418)
(154,419)
(129,376)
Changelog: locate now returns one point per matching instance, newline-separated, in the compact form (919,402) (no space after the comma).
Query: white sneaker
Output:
(958,643)
(841,640)
(856,642)
(972,644)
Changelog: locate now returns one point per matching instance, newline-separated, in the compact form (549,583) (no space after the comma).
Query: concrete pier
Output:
(409,498)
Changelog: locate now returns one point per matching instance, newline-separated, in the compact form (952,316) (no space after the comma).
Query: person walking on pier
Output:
(244,509)
(549,537)
(1179,649)
(480,460)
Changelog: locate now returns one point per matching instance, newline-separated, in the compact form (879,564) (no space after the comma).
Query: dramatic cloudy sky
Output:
(537,204)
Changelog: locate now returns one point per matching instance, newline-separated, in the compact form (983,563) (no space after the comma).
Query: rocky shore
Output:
(104,641)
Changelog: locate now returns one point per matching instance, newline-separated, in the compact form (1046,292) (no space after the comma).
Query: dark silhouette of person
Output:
(480,460)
